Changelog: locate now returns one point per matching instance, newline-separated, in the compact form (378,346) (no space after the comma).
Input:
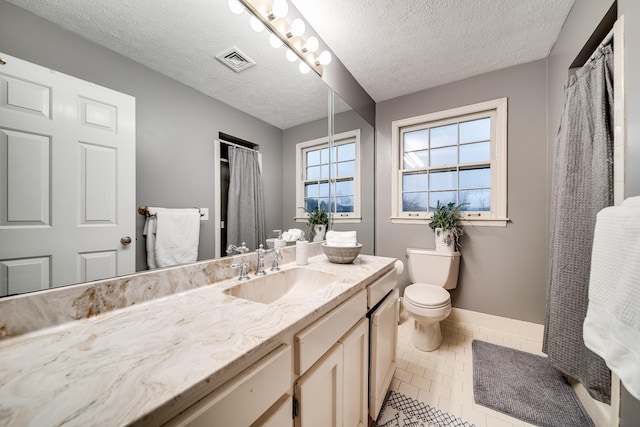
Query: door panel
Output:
(67,178)
(24,275)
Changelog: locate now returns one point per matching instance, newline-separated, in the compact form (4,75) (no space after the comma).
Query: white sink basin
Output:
(283,285)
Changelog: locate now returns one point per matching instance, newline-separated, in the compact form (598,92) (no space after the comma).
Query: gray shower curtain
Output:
(245,209)
(582,185)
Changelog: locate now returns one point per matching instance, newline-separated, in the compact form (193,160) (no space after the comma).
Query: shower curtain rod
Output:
(604,42)
(238,145)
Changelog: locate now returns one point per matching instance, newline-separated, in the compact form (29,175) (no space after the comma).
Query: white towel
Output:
(612,325)
(341,238)
(172,236)
(293,234)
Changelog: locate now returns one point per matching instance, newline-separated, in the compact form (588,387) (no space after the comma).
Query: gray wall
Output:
(176,125)
(581,22)
(503,269)
(343,122)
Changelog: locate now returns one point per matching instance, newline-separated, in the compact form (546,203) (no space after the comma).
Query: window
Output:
(341,193)
(458,156)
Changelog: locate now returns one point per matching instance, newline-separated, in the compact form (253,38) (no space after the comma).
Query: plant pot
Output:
(317,232)
(445,240)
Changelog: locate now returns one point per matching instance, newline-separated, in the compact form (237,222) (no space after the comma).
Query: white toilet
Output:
(427,300)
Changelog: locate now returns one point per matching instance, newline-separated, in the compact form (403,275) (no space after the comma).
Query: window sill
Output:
(350,220)
(482,222)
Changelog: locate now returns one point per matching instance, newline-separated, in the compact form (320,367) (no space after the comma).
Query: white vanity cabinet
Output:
(332,356)
(258,395)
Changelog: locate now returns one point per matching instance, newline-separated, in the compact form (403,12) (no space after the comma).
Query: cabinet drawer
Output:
(381,287)
(246,397)
(312,342)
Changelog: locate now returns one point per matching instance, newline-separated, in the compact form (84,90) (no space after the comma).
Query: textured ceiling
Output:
(392,47)
(181,39)
(397,47)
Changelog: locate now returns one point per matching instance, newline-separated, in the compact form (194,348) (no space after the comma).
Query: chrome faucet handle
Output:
(261,251)
(243,266)
(242,249)
(277,255)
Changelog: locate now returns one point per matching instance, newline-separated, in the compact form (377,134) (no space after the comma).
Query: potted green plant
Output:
(317,222)
(445,224)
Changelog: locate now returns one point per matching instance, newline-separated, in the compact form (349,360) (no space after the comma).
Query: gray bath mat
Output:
(524,386)
(399,410)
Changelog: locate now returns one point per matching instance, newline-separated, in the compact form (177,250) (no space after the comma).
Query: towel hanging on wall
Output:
(172,236)
(612,326)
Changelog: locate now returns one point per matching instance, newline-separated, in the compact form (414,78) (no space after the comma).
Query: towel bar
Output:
(144,211)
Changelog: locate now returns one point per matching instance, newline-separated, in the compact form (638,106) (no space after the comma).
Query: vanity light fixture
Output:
(272,16)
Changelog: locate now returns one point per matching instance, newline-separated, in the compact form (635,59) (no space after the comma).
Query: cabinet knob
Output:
(125,240)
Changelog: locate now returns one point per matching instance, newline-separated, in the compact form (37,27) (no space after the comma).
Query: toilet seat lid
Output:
(428,296)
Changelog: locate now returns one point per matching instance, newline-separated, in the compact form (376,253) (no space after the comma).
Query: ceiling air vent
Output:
(235,59)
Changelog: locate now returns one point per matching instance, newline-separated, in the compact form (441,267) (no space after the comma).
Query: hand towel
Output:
(612,324)
(341,238)
(149,231)
(177,235)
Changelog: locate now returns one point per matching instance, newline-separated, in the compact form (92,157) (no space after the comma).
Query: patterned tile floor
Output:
(444,378)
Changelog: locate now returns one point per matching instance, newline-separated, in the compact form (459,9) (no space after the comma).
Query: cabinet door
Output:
(319,392)
(279,415)
(356,375)
(384,340)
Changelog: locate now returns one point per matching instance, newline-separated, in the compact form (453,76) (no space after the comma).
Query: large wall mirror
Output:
(143,49)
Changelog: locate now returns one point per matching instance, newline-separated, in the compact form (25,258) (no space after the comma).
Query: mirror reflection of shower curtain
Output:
(245,210)
(582,186)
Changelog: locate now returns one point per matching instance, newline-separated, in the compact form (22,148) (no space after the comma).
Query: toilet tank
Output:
(433,268)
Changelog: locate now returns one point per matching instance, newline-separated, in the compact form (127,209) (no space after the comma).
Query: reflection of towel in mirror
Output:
(293,234)
(612,324)
(341,238)
(172,236)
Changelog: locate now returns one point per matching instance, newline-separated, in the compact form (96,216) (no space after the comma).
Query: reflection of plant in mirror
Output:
(317,216)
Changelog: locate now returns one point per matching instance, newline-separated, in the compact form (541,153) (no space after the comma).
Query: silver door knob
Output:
(125,240)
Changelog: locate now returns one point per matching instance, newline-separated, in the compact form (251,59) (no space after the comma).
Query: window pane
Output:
(311,190)
(324,155)
(416,140)
(475,130)
(346,168)
(313,158)
(443,197)
(344,188)
(313,172)
(324,171)
(323,189)
(444,156)
(414,202)
(477,152)
(416,160)
(345,204)
(414,182)
(444,135)
(478,200)
(310,204)
(446,180)
(324,204)
(475,178)
(347,152)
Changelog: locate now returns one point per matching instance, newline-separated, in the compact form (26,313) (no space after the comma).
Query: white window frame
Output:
(338,139)
(498,163)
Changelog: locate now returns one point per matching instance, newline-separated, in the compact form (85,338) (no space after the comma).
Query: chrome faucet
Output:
(261,251)
(243,266)
(242,249)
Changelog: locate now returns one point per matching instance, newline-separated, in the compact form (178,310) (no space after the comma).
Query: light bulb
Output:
(297,27)
(312,44)
(291,56)
(279,8)
(275,41)
(235,6)
(256,24)
(324,58)
(304,68)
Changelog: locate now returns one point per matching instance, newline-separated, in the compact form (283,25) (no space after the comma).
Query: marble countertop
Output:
(142,364)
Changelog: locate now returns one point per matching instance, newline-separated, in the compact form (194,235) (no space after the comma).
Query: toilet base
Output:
(426,337)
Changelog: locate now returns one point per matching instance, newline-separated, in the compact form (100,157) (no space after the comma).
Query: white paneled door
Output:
(67,179)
